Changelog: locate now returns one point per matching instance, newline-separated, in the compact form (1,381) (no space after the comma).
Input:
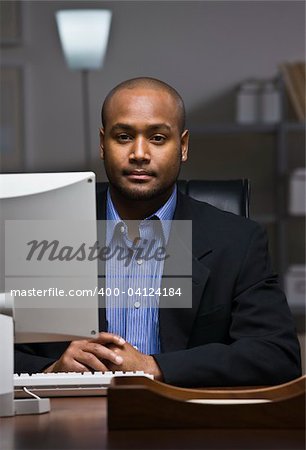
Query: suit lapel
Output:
(176,323)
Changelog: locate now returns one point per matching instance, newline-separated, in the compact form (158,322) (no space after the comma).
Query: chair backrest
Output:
(228,195)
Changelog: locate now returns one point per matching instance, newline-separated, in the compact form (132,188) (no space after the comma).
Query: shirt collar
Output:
(165,214)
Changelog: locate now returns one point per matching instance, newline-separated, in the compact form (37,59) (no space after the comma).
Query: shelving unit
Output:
(280,132)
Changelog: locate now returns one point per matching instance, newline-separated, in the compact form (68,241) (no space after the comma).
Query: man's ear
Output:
(184,145)
(101,134)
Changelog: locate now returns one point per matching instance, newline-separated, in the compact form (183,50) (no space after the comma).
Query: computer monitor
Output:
(57,207)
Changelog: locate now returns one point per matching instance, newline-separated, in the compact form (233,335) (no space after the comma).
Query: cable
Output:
(31,393)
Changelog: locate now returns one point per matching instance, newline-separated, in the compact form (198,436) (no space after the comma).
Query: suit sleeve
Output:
(263,348)
(34,358)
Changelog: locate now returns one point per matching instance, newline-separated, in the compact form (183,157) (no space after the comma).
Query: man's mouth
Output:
(139,175)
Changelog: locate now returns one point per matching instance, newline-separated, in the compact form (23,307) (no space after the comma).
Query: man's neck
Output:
(138,209)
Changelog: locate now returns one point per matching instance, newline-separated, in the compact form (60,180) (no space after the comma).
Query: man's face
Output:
(142,145)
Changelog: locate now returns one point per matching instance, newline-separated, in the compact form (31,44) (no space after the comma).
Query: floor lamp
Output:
(84,36)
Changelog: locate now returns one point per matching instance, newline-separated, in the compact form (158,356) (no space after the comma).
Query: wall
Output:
(203,48)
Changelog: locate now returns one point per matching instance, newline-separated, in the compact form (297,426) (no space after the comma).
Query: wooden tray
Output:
(141,403)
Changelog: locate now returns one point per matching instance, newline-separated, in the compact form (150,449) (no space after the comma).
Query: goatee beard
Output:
(136,194)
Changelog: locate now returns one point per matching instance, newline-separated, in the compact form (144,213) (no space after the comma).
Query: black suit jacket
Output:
(239,330)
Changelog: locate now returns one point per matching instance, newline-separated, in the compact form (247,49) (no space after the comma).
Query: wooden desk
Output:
(80,423)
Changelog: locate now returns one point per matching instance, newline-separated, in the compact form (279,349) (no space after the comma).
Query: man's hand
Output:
(133,360)
(87,354)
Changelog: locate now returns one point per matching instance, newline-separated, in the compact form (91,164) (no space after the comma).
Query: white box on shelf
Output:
(297,196)
(270,102)
(295,285)
(247,102)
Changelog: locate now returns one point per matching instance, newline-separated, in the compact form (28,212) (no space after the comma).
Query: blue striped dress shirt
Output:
(131,313)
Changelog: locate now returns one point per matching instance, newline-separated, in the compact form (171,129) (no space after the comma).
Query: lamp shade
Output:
(84,35)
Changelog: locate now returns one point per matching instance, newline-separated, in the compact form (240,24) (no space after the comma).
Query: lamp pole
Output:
(86,117)
(84,35)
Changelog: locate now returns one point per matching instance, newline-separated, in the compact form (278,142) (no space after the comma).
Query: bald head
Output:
(150,84)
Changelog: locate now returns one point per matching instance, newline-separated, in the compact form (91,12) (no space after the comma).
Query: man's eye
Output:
(123,137)
(158,138)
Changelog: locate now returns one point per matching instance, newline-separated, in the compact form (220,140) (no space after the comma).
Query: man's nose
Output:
(140,150)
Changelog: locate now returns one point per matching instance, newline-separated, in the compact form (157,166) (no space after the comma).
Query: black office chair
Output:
(228,195)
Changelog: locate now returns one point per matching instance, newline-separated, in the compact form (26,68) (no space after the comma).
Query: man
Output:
(239,330)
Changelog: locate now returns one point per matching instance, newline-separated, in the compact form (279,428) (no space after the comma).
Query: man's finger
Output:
(109,338)
(91,361)
(102,352)
(77,367)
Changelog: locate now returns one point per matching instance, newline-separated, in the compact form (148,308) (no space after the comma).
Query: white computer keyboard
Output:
(63,384)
